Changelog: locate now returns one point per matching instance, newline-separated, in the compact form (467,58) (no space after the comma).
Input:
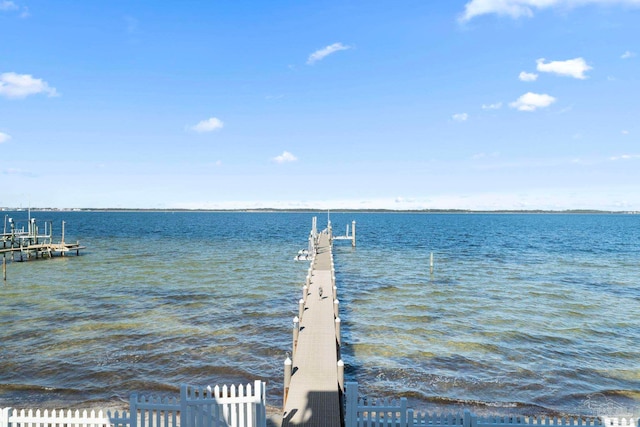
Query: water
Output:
(523,314)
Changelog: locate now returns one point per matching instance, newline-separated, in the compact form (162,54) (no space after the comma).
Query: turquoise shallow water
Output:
(523,314)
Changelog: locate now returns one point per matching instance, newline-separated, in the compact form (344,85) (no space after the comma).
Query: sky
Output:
(410,104)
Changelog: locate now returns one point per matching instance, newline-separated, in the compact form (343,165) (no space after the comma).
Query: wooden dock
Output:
(314,393)
(30,243)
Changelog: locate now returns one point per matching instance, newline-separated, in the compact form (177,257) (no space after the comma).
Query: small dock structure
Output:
(314,376)
(348,236)
(32,242)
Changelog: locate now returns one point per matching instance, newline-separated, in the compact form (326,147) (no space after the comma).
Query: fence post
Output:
(403,411)
(261,403)
(4,417)
(133,410)
(352,405)
(466,420)
(184,417)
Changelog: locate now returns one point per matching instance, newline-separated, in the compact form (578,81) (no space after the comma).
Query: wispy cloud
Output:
(625,157)
(496,106)
(320,54)
(285,157)
(132,24)
(208,125)
(624,132)
(460,117)
(4,137)
(6,5)
(532,101)
(11,6)
(19,172)
(519,8)
(480,156)
(13,85)
(628,54)
(571,67)
(528,77)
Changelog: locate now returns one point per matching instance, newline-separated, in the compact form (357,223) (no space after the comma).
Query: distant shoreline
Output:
(310,210)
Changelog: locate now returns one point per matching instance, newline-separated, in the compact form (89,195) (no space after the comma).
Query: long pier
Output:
(314,379)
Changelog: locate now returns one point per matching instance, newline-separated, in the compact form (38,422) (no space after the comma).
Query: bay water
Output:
(523,314)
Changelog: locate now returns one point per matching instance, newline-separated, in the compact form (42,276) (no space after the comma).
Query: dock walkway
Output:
(314,396)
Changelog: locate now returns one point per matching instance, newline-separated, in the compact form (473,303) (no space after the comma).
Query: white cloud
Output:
(571,67)
(208,125)
(4,137)
(628,54)
(519,8)
(460,117)
(8,5)
(625,132)
(324,52)
(528,77)
(625,157)
(285,157)
(532,101)
(13,85)
(496,106)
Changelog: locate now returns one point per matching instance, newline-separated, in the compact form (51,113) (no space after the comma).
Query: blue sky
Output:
(470,104)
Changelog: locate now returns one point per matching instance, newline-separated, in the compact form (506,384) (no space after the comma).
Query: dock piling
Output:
(288,368)
(353,234)
(341,375)
(296,331)
(431,263)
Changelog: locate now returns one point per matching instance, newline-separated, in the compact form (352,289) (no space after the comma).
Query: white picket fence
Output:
(362,412)
(55,418)
(234,406)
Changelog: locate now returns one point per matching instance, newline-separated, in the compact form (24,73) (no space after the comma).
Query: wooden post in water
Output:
(300,309)
(431,263)
(353,234)
(338,338)
(4,267)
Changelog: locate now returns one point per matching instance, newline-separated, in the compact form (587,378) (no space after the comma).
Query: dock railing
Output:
(234,406)
(363,412)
